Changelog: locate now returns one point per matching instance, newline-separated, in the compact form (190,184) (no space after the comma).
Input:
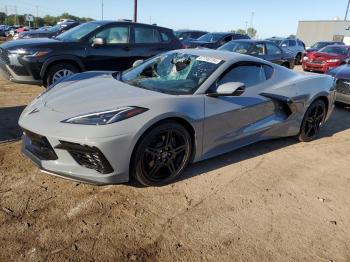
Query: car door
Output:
(273,53)
(233,121)
(114,54)
(147,42)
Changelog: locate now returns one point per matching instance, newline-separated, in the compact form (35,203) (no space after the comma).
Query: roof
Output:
(217,54)
(189,30)
(105,22)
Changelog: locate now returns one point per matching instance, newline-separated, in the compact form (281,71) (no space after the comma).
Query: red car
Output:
(327,58)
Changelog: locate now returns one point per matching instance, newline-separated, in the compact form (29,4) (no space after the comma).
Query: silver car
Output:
(183,106)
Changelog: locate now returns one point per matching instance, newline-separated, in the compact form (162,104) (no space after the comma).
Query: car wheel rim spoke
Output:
(165,155)
(314,121)
(61,74)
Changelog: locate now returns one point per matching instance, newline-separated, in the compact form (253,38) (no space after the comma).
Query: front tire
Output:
(162,154)
(313,121)
(58,72)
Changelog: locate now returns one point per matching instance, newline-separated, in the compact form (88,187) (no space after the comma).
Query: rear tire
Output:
(298,59)
(162,154)
(58,72)
(313,121)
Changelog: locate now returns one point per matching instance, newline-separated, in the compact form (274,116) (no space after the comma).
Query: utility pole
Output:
(16,15)
(135,11)
(252,18)
(37,16)
(347,10)
(6,19)
(102,6)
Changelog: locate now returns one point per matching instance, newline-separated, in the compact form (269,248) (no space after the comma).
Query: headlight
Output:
(333,60)
(106,117)
(305,58)
(29,53)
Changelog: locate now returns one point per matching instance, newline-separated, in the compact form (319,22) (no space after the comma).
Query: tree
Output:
(241,31)
(251,32)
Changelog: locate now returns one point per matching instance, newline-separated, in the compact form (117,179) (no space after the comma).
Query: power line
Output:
(347,10)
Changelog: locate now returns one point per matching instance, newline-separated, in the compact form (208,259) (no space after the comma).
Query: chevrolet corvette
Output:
(149,122)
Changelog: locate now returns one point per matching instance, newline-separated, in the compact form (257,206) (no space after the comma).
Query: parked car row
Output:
(115,46)
(157,103)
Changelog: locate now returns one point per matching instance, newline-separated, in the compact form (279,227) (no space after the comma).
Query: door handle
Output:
(126,48)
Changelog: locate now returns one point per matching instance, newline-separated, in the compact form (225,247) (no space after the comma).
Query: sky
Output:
(271,17)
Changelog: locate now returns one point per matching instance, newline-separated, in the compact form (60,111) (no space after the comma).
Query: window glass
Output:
(115,35)
(258,49)
(165,37)
(172,73)
(285,43)
(249,75)
(272,49)
(76,33)
(237,47)
(268,71)
(333,49)
(144,35)
(292,43)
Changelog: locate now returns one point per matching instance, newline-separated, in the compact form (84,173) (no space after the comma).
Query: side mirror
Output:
(137,63)
(98,42)
(284,45)
(229,89)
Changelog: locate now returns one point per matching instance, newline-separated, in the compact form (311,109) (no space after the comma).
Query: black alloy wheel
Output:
(162,154)
(313,121)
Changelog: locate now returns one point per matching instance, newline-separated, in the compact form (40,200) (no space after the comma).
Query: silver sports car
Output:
(183,106)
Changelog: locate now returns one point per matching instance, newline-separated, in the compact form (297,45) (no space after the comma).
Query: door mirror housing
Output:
(229,89)
(284,45)
(98,42)
(137,63)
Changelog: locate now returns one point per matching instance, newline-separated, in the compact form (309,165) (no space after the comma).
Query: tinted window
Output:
(115,35)
(145,35)
(268,71)
(77,33)
(249,75)
(292,43)
(272,49)
(237,47)
(258,49)
(333,49)
(197,34)
(211,37)
(165,37)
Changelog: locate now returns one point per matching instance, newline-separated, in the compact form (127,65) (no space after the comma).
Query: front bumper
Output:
(318,67)
(62,163)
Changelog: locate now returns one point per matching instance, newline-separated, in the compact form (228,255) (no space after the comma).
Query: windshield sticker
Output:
(208,59)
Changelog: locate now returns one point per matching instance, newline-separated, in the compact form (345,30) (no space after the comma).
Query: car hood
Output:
(325,56)
(36,33)
(342,72)
(95,91)
(23,43)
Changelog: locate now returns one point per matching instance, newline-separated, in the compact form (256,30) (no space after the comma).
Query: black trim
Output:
(89,157)
(288,104)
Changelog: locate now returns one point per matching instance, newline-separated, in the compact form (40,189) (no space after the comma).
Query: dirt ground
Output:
(273,201)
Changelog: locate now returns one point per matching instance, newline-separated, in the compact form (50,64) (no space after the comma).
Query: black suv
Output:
(98,45)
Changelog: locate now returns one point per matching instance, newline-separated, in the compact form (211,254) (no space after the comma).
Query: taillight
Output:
(184,46)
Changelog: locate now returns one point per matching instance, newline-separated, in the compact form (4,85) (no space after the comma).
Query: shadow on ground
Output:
(9,129)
